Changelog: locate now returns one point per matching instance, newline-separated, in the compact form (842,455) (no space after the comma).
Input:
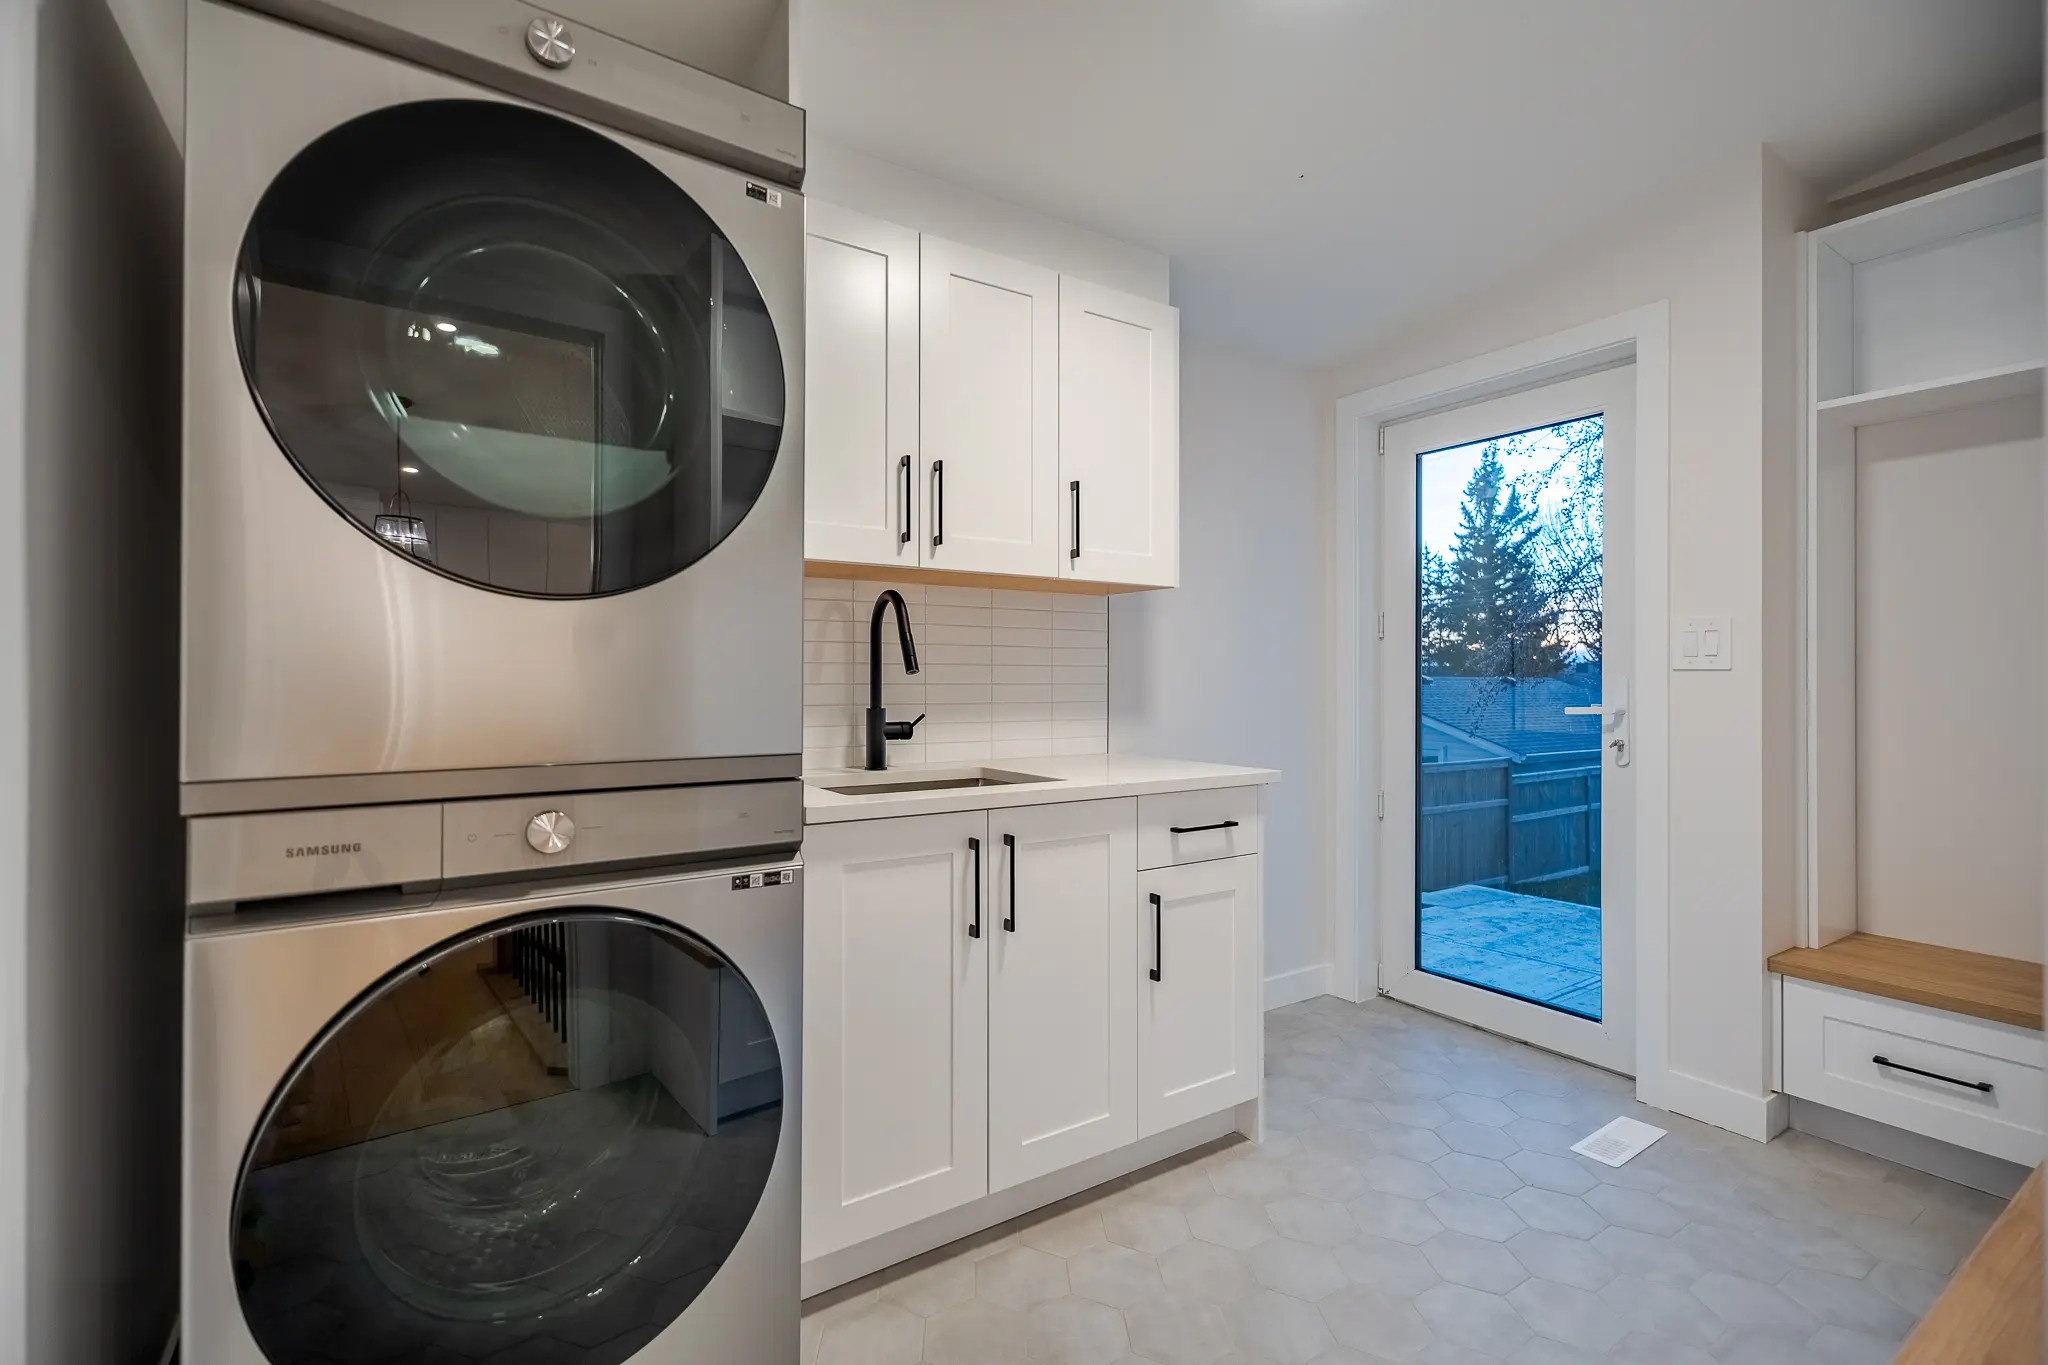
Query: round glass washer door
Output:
(509,348)
(538,1142)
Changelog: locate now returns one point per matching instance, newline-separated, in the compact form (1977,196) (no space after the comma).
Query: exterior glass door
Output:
(1506,758)
(538,1142)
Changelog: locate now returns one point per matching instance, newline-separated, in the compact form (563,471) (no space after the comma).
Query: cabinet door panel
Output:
(989,414)
(896,1025)
(1062,993)
(1119,436)
(860,392)
(1198,1024)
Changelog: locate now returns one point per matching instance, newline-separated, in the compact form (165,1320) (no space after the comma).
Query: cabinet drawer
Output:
(1833,1038)
(1194,827)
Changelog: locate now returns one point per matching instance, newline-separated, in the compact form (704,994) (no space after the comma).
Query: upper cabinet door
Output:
(1063,994)
(1119,437)
(990,416)
(860,463)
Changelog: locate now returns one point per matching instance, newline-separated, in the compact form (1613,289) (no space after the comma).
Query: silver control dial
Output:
(550,42)
(550,832)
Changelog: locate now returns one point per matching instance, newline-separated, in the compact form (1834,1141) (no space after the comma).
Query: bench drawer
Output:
(1989,1102)
(1194,827)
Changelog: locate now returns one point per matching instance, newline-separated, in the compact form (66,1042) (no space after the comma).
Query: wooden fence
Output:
(1529,827)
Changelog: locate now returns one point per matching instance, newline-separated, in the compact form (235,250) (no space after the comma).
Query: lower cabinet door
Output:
(896,933)
(1200,990)
(1062,986)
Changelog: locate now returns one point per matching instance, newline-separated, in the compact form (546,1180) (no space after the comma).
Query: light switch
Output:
(1703,642)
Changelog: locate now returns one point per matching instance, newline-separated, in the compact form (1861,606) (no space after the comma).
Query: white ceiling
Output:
(1322,170)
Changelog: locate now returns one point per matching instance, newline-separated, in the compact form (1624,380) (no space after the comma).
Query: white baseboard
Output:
(1991,1174)
(851,1263)
(1303,983)
(1760,1117)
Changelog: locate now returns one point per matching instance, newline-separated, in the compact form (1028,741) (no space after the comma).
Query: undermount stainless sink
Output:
(879,783)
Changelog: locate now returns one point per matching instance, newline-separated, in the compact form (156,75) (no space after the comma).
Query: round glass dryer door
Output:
(536,1143)
(509,348)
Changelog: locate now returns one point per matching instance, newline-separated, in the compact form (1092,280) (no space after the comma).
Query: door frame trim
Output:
(1641,336)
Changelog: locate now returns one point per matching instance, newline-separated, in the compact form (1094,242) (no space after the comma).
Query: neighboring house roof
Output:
(1519,717)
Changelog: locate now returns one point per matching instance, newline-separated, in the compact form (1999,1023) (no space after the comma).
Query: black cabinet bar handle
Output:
(1158,932)
(974,929)
(903,514)
(1075,553)
(1981,1087)
(1201,829)
(938,503)
(1010,854)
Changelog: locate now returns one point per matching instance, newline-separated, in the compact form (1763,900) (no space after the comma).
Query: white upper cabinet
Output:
(861,418)
(895,1024)
(990,428)
(1062,1045)
(1119,436)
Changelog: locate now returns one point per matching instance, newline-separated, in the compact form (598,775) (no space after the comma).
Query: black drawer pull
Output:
(974,929)
(1201,829)
(1981,1087)
(1010,853)
(1158,929)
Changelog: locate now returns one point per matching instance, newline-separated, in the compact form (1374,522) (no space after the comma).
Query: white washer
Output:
(552,1122)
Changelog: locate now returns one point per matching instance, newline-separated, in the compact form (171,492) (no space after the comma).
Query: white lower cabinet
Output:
(896,1101)
(1200,990)
(980,1012)
(1062,987)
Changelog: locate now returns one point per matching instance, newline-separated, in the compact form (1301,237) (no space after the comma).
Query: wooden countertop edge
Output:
(1990,1313)
(1827,969)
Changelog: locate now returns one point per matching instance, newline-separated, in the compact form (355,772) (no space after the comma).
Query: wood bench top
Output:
(2001,988)
(1990,1314)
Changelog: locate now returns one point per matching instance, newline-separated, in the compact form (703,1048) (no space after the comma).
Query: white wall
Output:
(1228,667)
(850,179)
(94,509)
(1718,248)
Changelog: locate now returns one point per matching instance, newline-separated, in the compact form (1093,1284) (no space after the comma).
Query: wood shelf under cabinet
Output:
(1999,988)
(948,578)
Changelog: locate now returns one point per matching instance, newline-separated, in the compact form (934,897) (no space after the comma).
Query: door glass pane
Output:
(539,1142)
(509,348)
(1509,579)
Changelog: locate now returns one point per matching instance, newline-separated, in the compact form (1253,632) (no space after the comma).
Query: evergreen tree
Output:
(1486,612)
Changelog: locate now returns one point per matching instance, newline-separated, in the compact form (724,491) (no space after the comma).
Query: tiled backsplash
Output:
(1004,674)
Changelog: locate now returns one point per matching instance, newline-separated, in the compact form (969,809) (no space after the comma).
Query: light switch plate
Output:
(1699,643)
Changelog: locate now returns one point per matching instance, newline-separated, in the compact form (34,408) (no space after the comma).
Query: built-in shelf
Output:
(1934,395)
(1939,217)
(2004,989)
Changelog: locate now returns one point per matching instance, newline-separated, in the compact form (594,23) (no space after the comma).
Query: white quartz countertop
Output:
(1091,777)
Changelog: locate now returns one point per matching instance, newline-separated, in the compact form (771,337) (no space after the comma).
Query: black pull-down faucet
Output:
(880,729)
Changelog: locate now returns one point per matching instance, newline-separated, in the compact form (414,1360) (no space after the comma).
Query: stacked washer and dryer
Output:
(491,694)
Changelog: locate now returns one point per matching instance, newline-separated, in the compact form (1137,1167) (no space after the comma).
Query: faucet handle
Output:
(902,729)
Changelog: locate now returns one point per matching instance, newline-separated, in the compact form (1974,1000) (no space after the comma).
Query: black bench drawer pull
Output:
(1981,1087)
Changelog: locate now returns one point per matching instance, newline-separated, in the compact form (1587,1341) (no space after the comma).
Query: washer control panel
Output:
(235,858)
